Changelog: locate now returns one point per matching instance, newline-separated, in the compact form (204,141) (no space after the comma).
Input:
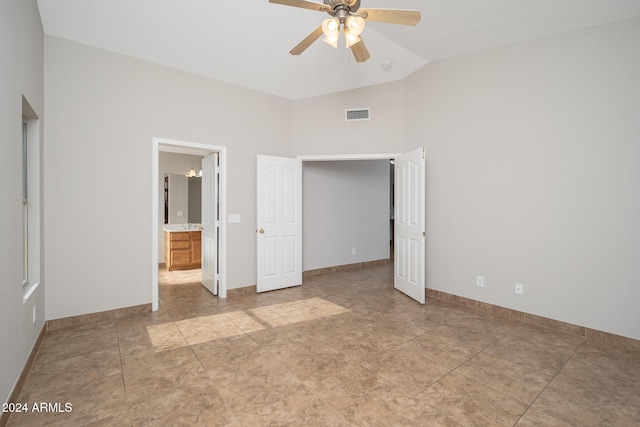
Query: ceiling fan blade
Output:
(304,44)
(391,16)
(360,51)
(303,4)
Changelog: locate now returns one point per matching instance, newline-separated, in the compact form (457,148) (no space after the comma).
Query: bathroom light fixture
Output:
(192,172)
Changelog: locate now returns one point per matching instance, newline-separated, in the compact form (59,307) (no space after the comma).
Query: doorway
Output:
(337,237)
(157,208)
(409,220)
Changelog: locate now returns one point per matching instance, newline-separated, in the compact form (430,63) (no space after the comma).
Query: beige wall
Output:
(21,74)
(105,110)
(319,126)
(533,173)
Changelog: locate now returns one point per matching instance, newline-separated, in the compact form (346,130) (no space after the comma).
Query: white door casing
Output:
(210,222)
(279,223)
(409,221)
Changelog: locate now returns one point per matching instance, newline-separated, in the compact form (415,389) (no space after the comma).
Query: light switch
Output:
(234,218)
(180,213)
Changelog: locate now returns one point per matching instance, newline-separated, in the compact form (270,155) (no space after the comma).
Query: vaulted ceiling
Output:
(246,43)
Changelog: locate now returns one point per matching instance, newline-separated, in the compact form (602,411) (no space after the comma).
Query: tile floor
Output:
(343,349)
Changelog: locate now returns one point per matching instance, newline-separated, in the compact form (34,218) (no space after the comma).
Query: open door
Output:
(210,222)
(279,223)
(409,235)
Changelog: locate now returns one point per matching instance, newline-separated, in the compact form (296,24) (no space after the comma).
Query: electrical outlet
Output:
(34,314)
(353,251)
(480,281)
(519,288)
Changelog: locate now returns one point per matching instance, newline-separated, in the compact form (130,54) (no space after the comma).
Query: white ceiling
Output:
(246,43)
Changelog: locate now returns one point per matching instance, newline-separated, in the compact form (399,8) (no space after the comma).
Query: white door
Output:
(409,217)
(210,222)
(279,223)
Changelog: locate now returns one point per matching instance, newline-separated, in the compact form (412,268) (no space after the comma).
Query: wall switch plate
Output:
(519,288)
(353,251)
(234,218)
(480,281)
(180,213)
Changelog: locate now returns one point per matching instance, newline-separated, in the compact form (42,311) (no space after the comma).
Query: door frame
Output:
(336,157)
(196,148)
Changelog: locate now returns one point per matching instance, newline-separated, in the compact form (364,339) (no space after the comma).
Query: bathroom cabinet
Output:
(182,249)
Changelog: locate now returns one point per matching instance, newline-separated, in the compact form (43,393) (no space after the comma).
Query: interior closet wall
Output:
(345,207)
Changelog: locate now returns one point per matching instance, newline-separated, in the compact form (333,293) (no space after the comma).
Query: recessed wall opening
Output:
(31,199)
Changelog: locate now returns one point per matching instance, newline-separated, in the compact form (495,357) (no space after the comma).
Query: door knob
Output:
(261,231)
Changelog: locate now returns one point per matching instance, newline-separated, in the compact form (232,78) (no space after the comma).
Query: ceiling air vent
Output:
(357,114)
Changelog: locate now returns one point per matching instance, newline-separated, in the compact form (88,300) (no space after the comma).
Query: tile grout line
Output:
(124,384)
(552,378)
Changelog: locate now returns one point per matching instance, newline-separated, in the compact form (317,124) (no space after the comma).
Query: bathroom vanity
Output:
(182,249)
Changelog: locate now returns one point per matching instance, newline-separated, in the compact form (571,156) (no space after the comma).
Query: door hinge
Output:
(217,170)
(423,152)
(218,223)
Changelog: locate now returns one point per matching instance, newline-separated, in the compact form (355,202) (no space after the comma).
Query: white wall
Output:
(21,74)
(319,126)
(345,206)
(533,167)
(104,110)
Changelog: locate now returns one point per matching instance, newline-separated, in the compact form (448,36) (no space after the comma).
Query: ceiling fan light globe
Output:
(351,38)
(355,25)
(331,27)
(331,40)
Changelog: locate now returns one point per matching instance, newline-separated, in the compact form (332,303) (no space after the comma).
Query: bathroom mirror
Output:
(182,199)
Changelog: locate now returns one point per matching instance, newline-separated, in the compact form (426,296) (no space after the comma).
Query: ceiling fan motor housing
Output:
(342,8)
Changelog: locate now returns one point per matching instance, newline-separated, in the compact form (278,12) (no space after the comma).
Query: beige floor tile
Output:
(544,352)
(349,381)
(516,379)
(583,407)
(410,372)
(343,349)
(419,412)
(360,344)
(449,346)
(312,360)
(74,372)
(396,331)
(470,403)
(95,400)
(255,319)
(536,418)
(198,405)
(149,339)
(212,327)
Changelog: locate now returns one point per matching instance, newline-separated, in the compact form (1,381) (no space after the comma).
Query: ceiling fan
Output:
(346,14)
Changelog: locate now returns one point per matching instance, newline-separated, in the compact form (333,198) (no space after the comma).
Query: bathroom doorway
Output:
(218,204)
